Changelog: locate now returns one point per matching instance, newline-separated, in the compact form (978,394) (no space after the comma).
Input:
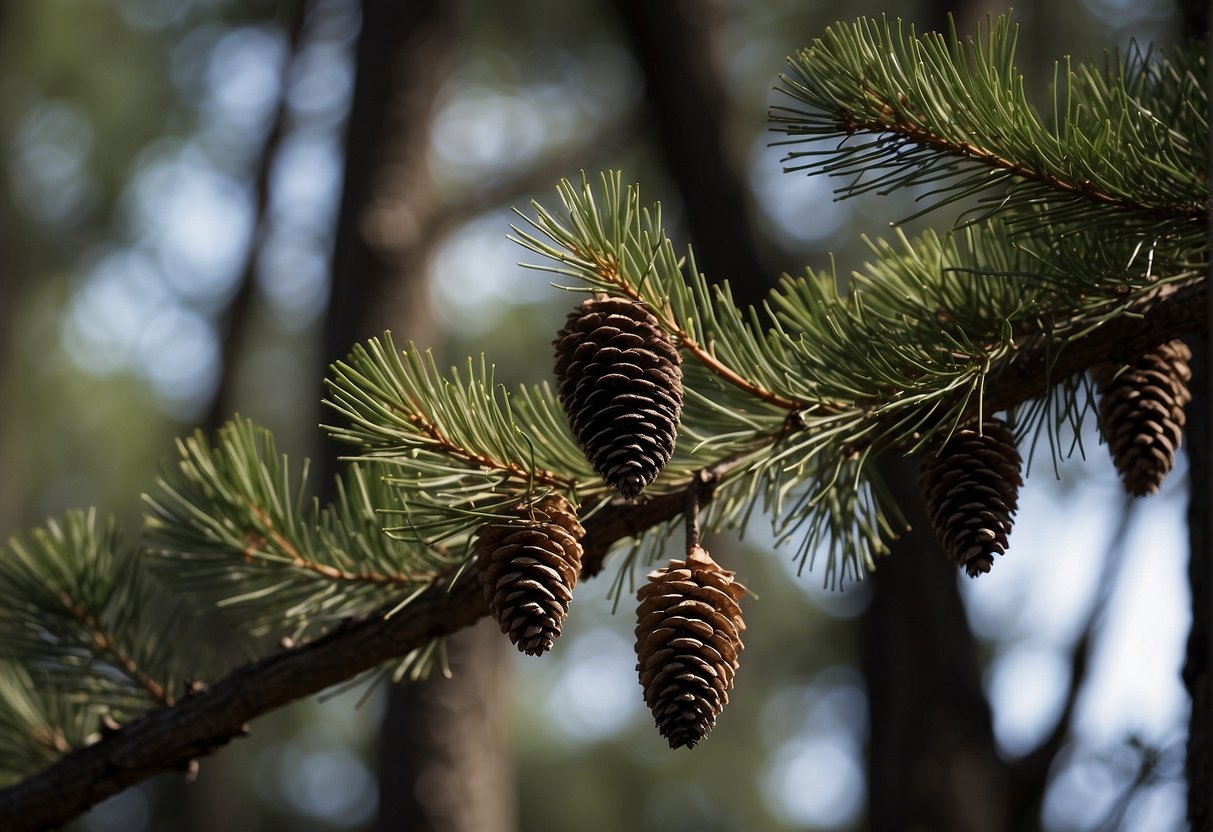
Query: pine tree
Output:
(1083,242)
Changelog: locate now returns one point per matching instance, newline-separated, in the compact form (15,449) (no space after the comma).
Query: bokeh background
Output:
(204,202)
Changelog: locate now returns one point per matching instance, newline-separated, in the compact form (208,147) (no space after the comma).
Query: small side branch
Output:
(912,134)
(104,641)
(453,449)
(196,726)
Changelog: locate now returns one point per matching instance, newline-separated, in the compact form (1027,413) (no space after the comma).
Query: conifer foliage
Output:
(464,498)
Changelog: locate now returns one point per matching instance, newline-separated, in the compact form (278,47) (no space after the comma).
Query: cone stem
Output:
(700,485)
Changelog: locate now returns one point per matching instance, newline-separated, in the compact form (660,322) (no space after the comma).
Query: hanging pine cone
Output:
(688,636)
(620,382)
(1141,409)
(971,486)
(528,568)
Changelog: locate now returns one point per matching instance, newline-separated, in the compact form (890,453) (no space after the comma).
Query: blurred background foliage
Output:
(170,203)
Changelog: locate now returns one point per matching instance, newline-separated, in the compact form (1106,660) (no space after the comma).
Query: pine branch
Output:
(200,724)
(86,641)
(950,313)
(171,737)
(231,519)
(621,248)
(791,418)
(953,116)
(464,426)
(38,725)
(80,612)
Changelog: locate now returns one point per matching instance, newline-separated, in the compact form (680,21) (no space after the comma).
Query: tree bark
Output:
(445,760)
(1198,664)
(675,44)
(932,762)
(446,756)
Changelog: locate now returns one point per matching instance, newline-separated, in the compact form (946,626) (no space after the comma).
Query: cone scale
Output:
(971,486)
(620,382)
(1141,411)
(528,566)
(688,638)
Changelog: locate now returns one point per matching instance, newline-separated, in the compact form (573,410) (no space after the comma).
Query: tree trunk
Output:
(446,757)
(445,761)
(675,44)
(932,762)
(1198,665)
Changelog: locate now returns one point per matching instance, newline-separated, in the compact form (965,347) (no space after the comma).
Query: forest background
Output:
(205,203)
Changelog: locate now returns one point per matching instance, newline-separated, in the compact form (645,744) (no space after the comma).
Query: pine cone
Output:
(620,382)
(1142,413)
(528,568)
(971,486)
(688,636)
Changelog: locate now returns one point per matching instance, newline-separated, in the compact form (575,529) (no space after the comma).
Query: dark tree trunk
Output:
(932,762)
(445,758)
(675,44)
(404,57)
(1198,665)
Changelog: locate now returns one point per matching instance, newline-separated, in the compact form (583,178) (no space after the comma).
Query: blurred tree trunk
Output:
(12,278)
(1198,665)
(675,43)
(932,762)
(444,760)
(933,759)
(12,273)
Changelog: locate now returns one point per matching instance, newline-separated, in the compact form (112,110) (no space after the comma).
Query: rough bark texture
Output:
(446,754)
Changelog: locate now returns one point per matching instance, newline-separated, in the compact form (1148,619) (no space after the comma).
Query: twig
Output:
(454,449)
(196,726)
(691,514)
(104,641)
(847,123)
(610,273)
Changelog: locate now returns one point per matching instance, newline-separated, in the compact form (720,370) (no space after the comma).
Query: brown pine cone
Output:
(1141,411)
(620,382)
(971,486)
(528,567)
(688,637)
